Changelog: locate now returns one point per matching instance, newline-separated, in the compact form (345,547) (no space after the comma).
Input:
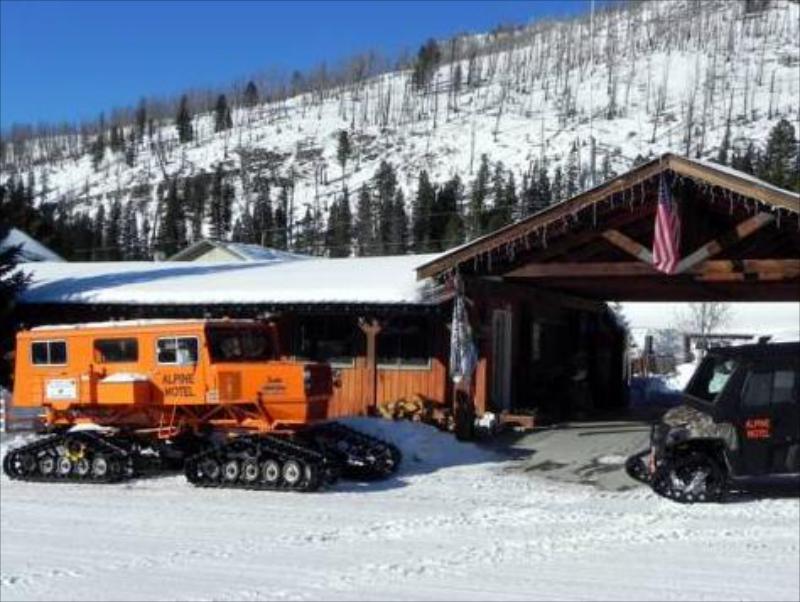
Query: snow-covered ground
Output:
(459,522)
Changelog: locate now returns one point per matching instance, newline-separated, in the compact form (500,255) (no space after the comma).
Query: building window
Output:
(336,340)
(49,353)
(177,350)
(109,351)
(405,343)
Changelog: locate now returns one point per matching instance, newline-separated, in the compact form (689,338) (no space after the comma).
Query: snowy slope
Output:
(658,76)
(458,523)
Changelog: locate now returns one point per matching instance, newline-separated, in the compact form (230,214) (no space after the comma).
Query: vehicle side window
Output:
(757,389)
(49,353)
(784,388)
(108,351)
(766,387)
(177,350)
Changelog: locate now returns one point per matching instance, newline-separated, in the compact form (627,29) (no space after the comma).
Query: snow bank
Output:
(424,447)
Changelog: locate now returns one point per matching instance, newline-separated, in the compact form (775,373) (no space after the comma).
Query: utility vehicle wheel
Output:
(47,465)
(271,472)
(292,473)
(64,466)
(694,477)
(210,468)
(636,467)
(99,467)
(230,471)
(250,471)
(82,467)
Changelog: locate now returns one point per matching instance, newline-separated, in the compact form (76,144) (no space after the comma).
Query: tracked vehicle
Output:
(119,399)
(739,427)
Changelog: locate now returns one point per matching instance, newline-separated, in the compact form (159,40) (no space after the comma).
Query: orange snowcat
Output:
(212,396)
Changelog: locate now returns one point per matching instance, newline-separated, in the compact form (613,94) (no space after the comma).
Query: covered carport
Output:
(739,241)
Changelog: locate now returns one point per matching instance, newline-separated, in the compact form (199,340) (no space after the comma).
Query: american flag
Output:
(667,237)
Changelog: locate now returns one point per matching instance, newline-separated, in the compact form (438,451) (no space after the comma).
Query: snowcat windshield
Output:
(239,345)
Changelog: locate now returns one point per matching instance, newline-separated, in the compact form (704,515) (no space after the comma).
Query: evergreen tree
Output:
(196,194)
(780,164)
(99,251)
(98,150)
(221,207)
(447,226)
(130,233)
(385,186)
(222,115)
(250,95)
(398,238)
(141,120)
(364,230)
(421,219)
(183,121)
(747,161)
(12,282)
(306,237)
(263,222)
(545,192)
(558,186)
(573,172)
(427,62)
(114,231)
(172,230)
(280,238)
(477,200)
(606,171)
(343,151)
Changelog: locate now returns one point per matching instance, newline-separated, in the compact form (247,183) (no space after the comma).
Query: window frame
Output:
(176,337)
(400,365)
(96,351)
(358,347)
(48,342)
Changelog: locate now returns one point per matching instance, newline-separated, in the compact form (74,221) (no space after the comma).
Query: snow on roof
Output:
(32,250)
(743,176)
(372,280)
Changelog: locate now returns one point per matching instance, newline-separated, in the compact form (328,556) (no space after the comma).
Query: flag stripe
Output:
(667,236)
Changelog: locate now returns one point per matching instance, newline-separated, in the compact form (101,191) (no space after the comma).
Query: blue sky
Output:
(70,60)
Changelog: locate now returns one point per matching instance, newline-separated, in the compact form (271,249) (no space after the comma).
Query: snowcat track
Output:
(82,457)
(282,464)
(363,457)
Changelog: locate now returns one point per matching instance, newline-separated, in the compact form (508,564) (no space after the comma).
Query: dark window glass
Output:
(331,339)
(711,378)
(404,342)
(49,353)
(181,351)
(39,353)
(239,345)
(757,390)
(785,385)
(116,350)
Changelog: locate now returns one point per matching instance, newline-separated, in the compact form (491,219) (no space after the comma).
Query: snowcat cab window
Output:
(711,378)
(239,345)
(109,351)
(177,350)
(49,353)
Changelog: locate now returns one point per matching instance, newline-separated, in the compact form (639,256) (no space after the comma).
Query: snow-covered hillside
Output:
(642,79)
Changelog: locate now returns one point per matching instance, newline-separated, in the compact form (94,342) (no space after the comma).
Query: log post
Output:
(371,328)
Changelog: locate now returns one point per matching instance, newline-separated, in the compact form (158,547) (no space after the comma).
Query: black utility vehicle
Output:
(739,425)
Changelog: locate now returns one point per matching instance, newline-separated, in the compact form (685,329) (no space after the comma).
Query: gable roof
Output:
(710,173)
(239,251)
(31,249)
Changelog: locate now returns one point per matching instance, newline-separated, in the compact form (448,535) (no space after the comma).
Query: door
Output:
(501,359)
(769,419)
